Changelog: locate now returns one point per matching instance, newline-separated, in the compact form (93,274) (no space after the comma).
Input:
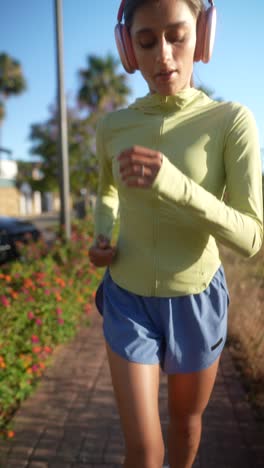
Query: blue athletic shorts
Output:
(183,334)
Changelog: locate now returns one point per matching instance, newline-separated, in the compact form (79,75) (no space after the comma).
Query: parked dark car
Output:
(14,230)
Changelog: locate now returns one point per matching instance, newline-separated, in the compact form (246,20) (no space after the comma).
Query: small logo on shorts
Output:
(216,344)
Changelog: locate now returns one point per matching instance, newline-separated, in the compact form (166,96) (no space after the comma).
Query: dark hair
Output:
(196,6)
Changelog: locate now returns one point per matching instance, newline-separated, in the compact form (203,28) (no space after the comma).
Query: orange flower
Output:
(37,349)
(58,297)
(60,281)
(2,363)
(10,434)
(28,283)
(13,293)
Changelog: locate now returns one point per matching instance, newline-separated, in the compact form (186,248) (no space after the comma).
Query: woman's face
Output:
(163,35)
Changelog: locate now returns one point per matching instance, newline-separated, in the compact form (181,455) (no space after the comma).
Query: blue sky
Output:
(27,33)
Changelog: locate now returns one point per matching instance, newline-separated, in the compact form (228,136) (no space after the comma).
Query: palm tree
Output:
(12,81)
(102,87)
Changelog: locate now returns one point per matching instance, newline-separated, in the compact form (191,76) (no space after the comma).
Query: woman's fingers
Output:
(102,241)
(102,256)
(139,166)
(137,156)
(136,151)
(135,170)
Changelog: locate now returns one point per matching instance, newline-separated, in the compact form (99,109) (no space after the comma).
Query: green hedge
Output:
(44,298)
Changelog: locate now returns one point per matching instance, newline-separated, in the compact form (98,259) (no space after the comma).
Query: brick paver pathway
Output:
(71,420)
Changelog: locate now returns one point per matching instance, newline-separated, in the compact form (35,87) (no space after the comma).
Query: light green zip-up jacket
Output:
(168,233)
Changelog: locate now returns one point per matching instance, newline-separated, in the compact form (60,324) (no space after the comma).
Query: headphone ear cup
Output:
(200,27)
(125,48)
(205,35)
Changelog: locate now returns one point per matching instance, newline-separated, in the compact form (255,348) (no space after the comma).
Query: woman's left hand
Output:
(139,166)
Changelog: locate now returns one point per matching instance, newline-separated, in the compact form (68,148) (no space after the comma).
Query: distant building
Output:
(9,195)
(20,201)
(8,173)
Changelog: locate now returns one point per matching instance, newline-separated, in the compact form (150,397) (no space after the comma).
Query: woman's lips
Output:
(165,76)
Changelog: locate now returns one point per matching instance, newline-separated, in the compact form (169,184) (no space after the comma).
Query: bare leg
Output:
(136,389)
(188,396)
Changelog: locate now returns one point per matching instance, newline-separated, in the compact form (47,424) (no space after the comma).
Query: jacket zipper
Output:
(155,218)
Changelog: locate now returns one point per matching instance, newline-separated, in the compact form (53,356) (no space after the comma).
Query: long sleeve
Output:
(238,223)
(107,202)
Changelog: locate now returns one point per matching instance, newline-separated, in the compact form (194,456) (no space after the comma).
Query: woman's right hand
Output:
(102,253)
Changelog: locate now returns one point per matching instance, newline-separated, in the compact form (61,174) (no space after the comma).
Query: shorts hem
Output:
(126,357)
(203,366)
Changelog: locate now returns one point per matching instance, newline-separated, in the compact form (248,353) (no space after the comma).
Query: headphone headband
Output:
(122,6)
(121,11)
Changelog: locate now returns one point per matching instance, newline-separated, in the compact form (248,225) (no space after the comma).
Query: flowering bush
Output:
(44,298)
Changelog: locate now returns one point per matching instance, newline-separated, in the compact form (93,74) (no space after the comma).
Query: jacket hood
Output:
(155,103)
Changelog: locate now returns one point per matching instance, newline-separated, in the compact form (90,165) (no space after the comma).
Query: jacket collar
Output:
(155,103)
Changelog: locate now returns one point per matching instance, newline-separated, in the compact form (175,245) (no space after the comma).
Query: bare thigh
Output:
(188,394)
(136,389)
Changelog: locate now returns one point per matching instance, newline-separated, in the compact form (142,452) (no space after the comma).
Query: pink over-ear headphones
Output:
(206,26)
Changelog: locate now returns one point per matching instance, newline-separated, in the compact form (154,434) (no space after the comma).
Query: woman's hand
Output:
(102,254)
(139,166)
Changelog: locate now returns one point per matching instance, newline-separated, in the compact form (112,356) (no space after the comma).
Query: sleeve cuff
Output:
(169,181)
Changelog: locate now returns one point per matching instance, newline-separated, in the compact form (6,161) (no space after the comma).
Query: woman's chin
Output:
(169,89)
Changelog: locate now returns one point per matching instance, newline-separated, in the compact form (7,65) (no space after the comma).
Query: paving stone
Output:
(38,464)
(16,462)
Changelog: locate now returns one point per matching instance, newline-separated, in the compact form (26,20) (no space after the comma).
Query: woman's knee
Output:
(188,425)
(148,455)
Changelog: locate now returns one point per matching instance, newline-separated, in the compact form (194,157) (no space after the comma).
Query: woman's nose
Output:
(164,51)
